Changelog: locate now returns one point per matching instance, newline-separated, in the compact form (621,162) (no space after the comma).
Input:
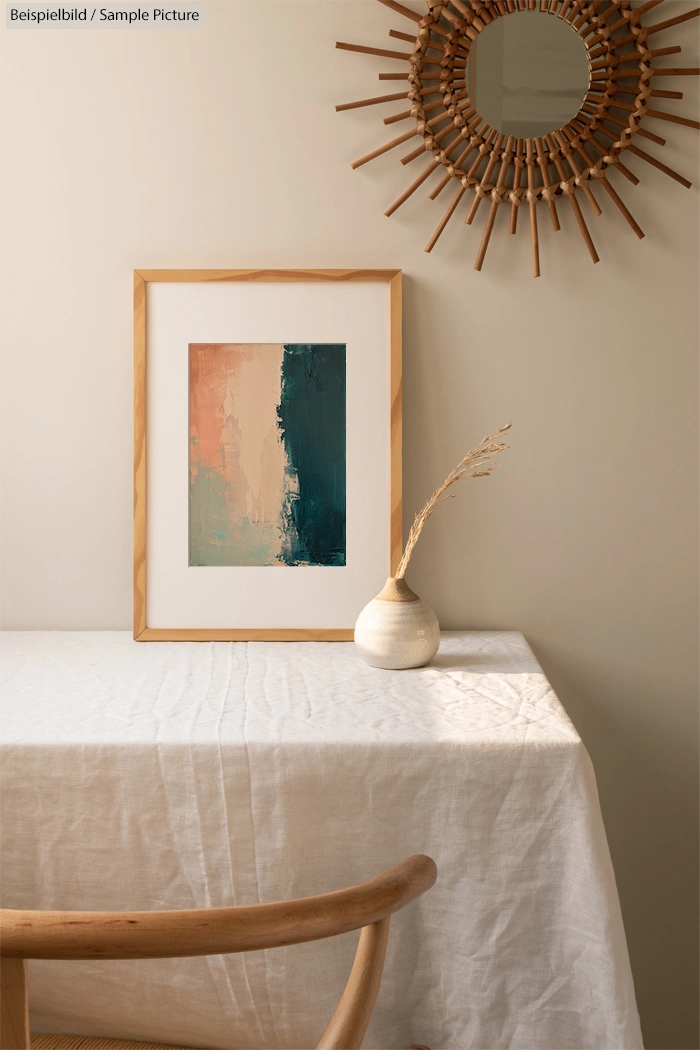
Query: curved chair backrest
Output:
(217,931)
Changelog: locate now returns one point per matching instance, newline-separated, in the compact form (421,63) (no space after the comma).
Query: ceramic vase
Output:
(397,630)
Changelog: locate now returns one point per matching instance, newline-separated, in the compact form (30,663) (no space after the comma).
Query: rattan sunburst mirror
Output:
(540,166)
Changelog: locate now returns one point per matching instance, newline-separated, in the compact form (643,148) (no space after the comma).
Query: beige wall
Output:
(220,147)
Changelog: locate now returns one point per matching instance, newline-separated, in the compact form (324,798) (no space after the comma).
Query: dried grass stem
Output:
(478,463)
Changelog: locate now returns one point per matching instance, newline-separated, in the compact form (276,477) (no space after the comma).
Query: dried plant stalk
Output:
(478,463)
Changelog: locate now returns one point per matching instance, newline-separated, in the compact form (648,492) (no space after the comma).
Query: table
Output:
(189,775)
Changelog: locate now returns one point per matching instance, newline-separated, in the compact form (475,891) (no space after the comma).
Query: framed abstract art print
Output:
(267,486)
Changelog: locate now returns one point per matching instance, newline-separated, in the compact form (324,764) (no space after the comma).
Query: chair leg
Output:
(14,1005)
(351,1019)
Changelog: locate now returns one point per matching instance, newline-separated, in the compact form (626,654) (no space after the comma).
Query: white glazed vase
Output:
(397,630)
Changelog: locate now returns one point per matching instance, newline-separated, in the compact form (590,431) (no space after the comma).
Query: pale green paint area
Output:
(214,539)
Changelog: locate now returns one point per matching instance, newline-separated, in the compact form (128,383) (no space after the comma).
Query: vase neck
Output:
(397,591)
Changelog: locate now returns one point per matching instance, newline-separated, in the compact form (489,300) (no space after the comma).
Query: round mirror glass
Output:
(527,73)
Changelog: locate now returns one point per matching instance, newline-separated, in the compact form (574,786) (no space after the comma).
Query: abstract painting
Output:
(267,456)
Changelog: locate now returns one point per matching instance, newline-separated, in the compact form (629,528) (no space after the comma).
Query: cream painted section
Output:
(220,147)
(262,457)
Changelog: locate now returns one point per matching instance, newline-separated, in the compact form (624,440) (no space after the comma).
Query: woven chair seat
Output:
(45,1041)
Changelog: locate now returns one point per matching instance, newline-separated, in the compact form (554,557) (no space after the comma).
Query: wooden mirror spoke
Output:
(625,79)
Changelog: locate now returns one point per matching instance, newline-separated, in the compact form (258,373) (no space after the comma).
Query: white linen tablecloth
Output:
(192,775)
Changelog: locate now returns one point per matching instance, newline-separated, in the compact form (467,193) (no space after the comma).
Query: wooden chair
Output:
(212,931)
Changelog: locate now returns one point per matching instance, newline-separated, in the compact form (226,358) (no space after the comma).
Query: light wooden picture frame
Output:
(352,319)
